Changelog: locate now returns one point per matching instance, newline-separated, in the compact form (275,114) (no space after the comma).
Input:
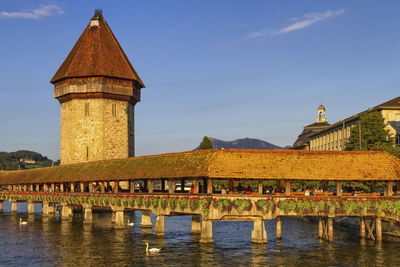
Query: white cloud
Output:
(304,22)
(42,11)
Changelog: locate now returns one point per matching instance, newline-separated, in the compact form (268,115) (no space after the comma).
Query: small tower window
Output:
(397,139)
(86,109)
(114,110)
(87,152)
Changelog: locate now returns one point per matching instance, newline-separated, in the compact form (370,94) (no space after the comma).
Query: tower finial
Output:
(98,14)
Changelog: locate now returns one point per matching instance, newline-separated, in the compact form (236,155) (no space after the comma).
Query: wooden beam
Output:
(339,188)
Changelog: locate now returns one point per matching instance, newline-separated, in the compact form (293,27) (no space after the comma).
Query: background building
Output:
(335,136)
(97,88)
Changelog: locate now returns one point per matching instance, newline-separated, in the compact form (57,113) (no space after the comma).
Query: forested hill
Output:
(23,159)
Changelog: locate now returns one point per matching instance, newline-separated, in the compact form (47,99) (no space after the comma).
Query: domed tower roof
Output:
(321,107)
(97,53)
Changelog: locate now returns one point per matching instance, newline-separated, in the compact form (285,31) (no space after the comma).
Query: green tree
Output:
(369,133)
(206,143)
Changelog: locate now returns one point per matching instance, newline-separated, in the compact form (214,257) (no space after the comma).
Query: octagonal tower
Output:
(97,88)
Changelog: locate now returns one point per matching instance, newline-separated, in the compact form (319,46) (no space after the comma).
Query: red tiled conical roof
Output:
(97,53)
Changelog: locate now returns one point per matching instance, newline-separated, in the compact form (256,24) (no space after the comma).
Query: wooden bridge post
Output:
(52,187)
(320,228)
(196,186)
(37,187)
(14,207)
(31,187)
(31,207)
(389,188)
(260,187)
(52,209)
(171,184)
(206,235)
(87,217)
(146,219)
(119,218)
(259,234)
(362,227)
(65,211)
(378,228)
(1,205)
(132,186)
(150,186)
(330,229)
(45,209)
(61,187)
(278,227)
(287,187)
(339,188)
(209,186)
(72,187)
(159,228)
(196,224)
(82,187)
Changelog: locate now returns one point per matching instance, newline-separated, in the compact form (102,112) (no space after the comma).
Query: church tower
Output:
(97,88)
(321,117)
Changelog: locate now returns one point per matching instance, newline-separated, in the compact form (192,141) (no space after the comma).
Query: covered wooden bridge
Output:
(210,183)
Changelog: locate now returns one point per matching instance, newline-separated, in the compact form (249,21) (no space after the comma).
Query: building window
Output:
(114,110)
(86,109)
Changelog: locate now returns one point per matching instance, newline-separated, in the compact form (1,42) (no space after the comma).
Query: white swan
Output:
(21,222)
(152,250)
(130,223)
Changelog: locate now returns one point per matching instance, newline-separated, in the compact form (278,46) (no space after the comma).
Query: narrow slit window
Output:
(114,110)
(86,109)
(87,152)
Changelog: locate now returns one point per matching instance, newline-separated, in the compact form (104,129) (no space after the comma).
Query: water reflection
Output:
(52,241)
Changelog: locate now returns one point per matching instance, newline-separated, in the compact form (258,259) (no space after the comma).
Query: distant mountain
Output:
(23,159)
(245,143)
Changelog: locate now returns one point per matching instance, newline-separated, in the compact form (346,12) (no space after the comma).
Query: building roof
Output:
(224,163)
(391,104)
(309,130)
(97,53)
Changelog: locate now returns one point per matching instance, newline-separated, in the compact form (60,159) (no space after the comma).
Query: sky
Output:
(224,69)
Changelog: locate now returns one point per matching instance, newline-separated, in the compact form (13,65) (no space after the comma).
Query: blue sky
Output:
(225,69)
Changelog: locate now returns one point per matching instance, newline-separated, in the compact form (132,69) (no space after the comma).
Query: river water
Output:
(52,242)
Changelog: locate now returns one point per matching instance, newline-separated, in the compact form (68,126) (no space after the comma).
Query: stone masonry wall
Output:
(96,129)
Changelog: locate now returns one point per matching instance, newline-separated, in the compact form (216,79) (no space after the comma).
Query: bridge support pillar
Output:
(278,227)
(196,225)
(1,205)
(362,227)
(259,234)
(119,218)
(330,229)
(65,212)
(31,208)
(88,217)
(14,207)
(146,220)
(378,228)
(206,232)
(52,209)
(159,228)
(45,209)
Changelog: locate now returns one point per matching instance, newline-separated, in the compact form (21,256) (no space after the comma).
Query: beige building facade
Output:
(335,136)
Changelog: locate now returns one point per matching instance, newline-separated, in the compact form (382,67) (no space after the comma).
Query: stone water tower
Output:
(97,88)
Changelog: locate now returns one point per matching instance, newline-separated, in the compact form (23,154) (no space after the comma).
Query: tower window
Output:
(114,110)
(87,152)
(86,109)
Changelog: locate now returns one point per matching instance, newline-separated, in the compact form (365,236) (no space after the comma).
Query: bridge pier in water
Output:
(31,207)
(119,218)
(87,216)
(206,235)
(66,212)
(259,234)
(278,227)
(1,205)
(146,219)
(159,228)
(14,206)
(325,228)
(45,209)
(196,224)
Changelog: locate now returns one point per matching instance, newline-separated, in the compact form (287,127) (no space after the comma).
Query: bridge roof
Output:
(224,163)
